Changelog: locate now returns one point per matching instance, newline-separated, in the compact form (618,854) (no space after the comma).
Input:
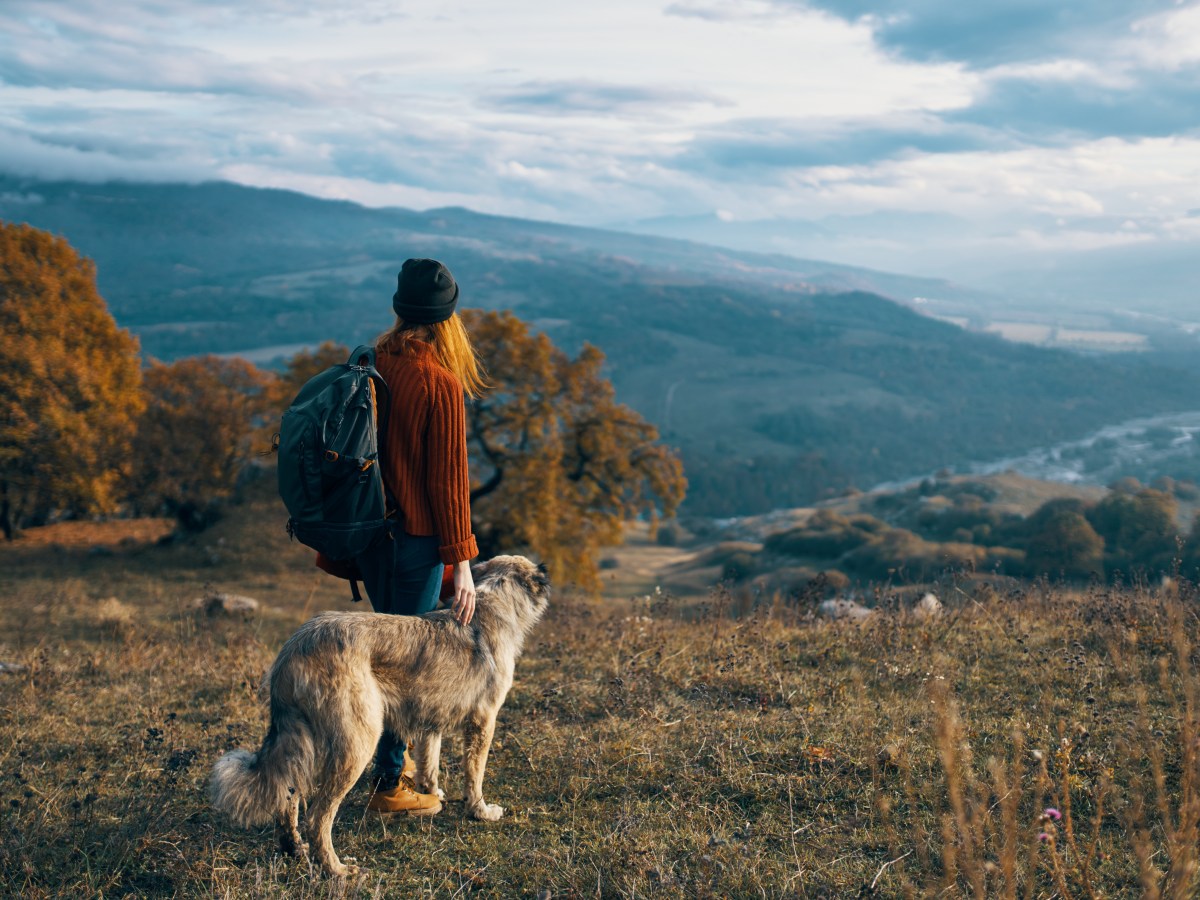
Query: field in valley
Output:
(1032,741)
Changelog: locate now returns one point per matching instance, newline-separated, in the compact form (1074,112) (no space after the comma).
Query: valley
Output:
(782,381)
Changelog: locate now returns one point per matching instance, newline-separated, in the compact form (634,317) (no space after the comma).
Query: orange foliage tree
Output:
(300,368)
(195,436)
(559,466)
(280,389)
(69,384)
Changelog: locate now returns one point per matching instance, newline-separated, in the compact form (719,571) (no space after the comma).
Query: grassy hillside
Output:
(647,749)
(777,390)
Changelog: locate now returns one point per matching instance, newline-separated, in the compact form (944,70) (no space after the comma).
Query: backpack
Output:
(329,474)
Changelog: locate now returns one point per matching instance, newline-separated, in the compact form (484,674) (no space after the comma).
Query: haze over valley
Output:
(782,381)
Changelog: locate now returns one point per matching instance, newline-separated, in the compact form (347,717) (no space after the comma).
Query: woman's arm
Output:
(450,491)
(463,606)
(449,485)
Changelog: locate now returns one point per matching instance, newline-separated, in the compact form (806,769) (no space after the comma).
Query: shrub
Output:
(194,438)
(1066,545)
(668,535)
(902,553)
(826,535)
(738,567)
(1138,530)
(1004,561)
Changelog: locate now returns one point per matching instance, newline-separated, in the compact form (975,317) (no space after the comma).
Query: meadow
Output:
(1033,741)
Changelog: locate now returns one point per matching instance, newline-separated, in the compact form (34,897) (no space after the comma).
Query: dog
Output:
(345,676)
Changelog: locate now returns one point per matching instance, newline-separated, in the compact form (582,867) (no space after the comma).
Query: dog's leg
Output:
(287,826)
(427,753)
(346,764)
(477,740)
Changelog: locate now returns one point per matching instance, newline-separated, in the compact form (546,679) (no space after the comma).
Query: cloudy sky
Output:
(860,129)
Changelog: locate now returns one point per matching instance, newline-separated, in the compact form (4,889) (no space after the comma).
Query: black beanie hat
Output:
(426,292)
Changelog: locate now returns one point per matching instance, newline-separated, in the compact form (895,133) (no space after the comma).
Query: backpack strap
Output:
(364,357)
(363,352)
(355,595)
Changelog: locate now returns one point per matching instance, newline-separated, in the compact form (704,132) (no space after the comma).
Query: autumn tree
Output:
(300,368)
(558,465)
(1065,544)
(69,384)
(280,388)
(1190,552)
(194,438)
(1138,529)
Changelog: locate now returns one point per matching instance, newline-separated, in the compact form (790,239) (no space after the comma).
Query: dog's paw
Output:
(487,812)
(296,849)
(343,871)
(424,788)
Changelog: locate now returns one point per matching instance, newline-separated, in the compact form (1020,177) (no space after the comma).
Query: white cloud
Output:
(1169,40)
(448,102)
(21,154)
(376,194)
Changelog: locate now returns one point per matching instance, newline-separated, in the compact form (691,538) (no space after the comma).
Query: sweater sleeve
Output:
(449,485)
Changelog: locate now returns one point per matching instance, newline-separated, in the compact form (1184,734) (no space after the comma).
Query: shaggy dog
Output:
(344,676)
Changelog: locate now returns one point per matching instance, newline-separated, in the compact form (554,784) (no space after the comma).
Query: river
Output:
(1137,447)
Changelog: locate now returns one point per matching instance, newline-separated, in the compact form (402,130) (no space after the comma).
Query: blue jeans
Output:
(403,577)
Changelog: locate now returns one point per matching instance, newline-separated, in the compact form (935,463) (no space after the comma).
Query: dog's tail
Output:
(253,788)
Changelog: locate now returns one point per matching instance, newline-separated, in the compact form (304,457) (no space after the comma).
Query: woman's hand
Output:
(463,606)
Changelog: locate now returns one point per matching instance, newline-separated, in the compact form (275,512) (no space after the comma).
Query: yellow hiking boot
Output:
(410,767)
(404,798)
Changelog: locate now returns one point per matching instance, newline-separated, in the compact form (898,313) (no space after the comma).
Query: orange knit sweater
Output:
(424,453)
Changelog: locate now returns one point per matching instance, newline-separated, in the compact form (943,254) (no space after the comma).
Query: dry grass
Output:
(646,750)
(115,534)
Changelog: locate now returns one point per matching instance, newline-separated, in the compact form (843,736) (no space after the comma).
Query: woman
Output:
(428,363)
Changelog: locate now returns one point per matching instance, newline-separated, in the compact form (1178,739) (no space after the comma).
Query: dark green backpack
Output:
(329,475)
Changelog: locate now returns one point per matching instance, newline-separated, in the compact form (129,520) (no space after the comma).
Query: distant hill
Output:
(778,389)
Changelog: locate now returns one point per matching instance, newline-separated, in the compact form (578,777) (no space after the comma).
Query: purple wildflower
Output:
(1052,813)
(1043,837)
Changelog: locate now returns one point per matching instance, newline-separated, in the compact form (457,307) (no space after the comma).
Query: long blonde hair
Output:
(451,345)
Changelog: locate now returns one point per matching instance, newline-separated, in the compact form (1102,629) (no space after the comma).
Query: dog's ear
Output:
(541,576)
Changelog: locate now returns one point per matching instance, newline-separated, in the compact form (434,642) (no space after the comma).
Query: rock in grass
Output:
(928,607)
(222,604)
(114,617)
(844,609)
(7,668)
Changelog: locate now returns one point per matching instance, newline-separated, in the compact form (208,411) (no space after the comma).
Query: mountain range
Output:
(781,380)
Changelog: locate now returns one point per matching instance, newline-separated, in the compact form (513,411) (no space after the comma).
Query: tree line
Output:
(921,533)
(87,429)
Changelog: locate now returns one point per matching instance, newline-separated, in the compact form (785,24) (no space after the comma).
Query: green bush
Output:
(902,555)
(1004,561)
(826,535)
(1066,545)
(792,581)
(1138,530)
(669,534)
(738,567)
